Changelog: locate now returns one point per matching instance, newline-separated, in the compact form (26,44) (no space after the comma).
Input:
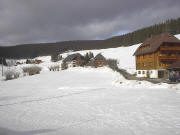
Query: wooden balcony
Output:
(164,48)
(173,57)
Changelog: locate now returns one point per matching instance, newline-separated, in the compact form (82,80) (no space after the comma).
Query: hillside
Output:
(44,49)
(124,56)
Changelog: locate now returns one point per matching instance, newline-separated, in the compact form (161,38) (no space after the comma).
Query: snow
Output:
(124,55)
(177,36)
(87,101)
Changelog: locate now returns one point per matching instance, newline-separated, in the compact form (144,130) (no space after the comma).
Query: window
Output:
(138,64)
(150,64)
(139,72)
(178,53)
(150,56)
(144,64)
(143,72)
(169,54)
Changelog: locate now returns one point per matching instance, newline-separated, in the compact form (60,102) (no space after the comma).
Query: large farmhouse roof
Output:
(155,42)
(72,57)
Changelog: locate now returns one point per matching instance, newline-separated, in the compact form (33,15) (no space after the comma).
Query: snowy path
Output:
(85,102)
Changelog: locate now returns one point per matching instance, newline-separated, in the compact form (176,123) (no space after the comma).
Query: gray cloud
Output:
(30,21)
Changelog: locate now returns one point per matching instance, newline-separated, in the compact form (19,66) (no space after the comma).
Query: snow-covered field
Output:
(86,101)
(124,55)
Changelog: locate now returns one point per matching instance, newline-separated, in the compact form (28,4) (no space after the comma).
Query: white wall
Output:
(141,73)
(71,64)
(153,73)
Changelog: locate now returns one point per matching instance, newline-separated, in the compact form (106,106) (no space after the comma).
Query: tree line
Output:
(172,26)
(42,49)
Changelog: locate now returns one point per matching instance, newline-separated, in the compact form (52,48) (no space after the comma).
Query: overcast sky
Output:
(33,21)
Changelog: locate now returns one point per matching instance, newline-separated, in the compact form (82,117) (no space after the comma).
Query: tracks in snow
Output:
(55,97)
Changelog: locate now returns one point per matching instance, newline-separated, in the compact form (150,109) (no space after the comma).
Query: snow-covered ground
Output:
(86,101)
(177,36)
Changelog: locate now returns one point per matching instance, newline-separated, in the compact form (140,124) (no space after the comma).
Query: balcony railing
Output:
(167,48)
(172,57)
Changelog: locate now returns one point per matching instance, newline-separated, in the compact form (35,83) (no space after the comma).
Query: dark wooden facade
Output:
(158,52)
(74,60)
(99,60)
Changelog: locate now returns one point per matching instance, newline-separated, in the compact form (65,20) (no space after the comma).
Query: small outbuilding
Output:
(100,60)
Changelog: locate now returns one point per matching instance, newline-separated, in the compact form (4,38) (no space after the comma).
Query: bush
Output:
(112,63)
(11,74)
(87,57)
(56,57)
(16,75)
(3,61)
(91,63)
(64,66)
(32,70)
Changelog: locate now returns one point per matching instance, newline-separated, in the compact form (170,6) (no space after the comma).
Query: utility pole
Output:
(2,65)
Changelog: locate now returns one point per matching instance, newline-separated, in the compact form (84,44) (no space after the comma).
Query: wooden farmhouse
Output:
(99,60)
(74,60)
(156,54)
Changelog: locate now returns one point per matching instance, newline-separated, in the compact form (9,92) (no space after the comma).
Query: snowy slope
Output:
(124,55)
(86,101)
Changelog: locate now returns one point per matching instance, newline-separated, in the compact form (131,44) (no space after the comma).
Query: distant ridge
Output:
(42,49)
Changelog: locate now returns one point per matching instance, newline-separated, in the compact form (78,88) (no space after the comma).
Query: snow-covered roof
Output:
(72,57)
(155,42)
(99,57)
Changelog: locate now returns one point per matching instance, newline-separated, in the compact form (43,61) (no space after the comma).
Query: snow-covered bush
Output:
(54,68)
(11,74)
(32,70)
